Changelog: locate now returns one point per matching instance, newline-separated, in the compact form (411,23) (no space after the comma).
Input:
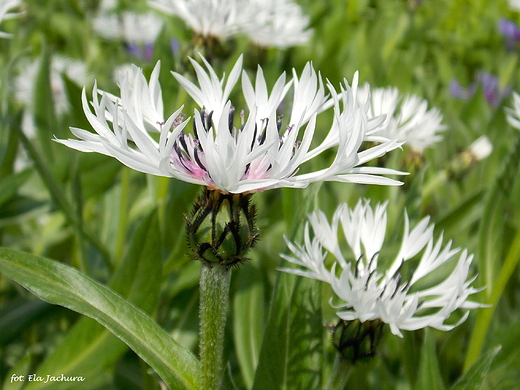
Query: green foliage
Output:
(117,237)
(60,284)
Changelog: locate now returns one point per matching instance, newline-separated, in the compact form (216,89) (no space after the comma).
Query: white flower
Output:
(278,23)
(5,6)
(216,18)
(133,28)
(259,153)
(24,85)
(514,5)
(513,114)
(481,148)
(393,293)
(408,118)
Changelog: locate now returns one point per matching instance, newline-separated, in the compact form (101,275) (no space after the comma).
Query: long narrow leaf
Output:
(291,352)
(89,347)
(66,286)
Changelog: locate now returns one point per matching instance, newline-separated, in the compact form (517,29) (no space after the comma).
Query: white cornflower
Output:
(5,6)
(132,28)
(209,18)
(24,85)
(394,293)
(514,5)
(513,114)
(481,148)
(408,118)
(263,151)
(278,23)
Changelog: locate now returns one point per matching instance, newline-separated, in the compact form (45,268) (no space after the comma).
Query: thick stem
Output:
(214,302)
(340,373)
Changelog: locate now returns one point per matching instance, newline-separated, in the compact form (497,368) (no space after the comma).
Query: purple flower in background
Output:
(510,30)
(490,85)
(144,51)
(459,92)
(175,46)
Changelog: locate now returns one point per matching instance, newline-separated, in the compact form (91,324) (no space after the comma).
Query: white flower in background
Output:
(262,151)
(130,27)
(25,83)
(395,291)
(513,114)
(5,6)
(216,18)
(278,23)
(408,118)
(481,148)
(514,5)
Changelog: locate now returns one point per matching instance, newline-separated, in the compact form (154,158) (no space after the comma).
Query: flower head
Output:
(219,19)
(408,118)
(5,6)
(278,23)
(261,151)
(393,293)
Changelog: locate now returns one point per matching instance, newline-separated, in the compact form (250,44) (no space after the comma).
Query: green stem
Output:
(340,373)
(214,302)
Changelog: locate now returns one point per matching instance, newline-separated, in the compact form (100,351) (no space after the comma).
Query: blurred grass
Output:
(81,209)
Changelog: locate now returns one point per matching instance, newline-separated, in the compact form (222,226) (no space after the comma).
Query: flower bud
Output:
(221,229)
(356,340)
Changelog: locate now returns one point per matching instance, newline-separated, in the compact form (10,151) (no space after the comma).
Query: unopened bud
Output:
(221,229)
(356,340)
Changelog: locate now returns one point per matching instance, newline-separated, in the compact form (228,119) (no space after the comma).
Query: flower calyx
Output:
(355,340)
(221,229)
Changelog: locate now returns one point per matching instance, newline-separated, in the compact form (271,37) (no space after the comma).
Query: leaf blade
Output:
(63,285)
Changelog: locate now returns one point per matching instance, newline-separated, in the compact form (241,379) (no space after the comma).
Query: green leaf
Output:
(63,285)
(10,184)
(43,106)
(473,378)
(89,347)
(291,353)
(248,309)
(429,373)
(465,212)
